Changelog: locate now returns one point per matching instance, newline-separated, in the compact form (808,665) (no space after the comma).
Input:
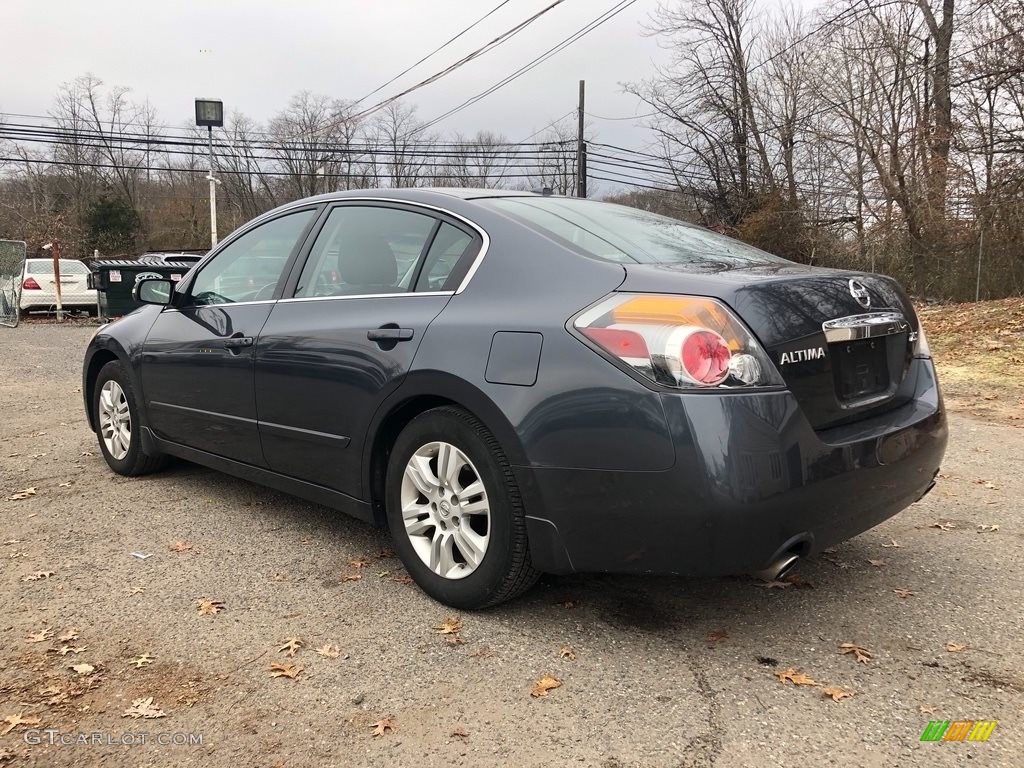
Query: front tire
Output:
(116,415)
(455,511)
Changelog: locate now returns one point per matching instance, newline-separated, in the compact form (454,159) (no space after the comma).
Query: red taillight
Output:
(706,357)
(621,343)
(684,342)
(30,284)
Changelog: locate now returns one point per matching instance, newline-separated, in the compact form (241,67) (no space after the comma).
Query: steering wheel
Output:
(210,297)
(266,292)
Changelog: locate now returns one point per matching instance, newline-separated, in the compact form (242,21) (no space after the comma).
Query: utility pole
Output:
(581,150)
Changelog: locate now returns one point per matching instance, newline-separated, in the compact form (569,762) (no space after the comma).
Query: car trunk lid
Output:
(842,341)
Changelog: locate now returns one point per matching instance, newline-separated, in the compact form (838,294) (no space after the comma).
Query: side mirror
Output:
(152,290)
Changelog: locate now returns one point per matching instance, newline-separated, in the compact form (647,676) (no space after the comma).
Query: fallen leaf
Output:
(67,637)
(955,647)
(66,485)
(541,687)
(904,592)
(288,669)
(384,553)
(13,721)
(351,577)
(455,639)
(144,708)
(482,653)
(402,579)
(358,562)
(459,733)
(876,563)
(291,645)
(926,710)
(794,677)
(22,494)
(179,546)
(450,626)
(383,574)
(37,576)
(209,607)
(943,526)
(717,636)
(987,528)
(383,726)
(66,649)
(567,653)
(863,655)
(775,584)
(142,661)
(837,694)
(136,591)
(329,651)
(39,637)
(797,581)
(83,669)
(893,544)
(87,453)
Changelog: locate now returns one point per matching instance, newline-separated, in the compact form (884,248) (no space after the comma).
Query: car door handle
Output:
(390,333)
(237,342)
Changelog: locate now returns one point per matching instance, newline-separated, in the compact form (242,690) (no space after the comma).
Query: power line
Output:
(503,37)
(436,50)
(613,11)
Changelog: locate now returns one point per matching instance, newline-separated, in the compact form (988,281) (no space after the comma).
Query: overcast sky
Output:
(263,51)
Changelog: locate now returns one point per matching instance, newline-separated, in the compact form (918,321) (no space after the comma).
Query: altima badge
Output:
(860,292)
(801,355)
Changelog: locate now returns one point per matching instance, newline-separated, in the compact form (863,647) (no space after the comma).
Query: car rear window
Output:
(45,267)
(619,233)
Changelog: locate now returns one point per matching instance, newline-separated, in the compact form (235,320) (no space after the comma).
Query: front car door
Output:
(375,277)
(197,361)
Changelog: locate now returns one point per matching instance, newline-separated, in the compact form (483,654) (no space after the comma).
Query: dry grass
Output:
(979,352)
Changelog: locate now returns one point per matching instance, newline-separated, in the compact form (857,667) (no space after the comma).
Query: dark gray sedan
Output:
(518,384)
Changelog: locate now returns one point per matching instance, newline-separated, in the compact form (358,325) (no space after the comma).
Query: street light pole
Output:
(210,113)
(213,192)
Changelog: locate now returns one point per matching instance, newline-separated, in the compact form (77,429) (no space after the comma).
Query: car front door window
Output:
(249,268)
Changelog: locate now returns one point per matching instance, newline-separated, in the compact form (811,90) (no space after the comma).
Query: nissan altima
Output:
(517,384)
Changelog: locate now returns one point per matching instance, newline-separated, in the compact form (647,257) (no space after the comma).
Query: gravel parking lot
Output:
(654,671)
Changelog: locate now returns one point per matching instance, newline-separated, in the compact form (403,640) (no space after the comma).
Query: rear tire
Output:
(116,415)
(455,511)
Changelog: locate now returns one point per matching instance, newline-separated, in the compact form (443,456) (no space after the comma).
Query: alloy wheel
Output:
(445,510)
(115,420)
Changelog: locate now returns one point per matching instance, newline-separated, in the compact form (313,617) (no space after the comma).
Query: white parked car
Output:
(39,288)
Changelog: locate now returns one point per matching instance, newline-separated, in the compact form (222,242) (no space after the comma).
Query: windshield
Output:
(45,267)
(618,233)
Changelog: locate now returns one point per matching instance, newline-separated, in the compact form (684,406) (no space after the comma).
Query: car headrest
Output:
(366,259)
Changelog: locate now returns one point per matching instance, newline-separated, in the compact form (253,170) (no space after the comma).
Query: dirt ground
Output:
(654,671)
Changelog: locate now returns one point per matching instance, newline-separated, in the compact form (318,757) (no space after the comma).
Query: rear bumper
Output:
(751,479)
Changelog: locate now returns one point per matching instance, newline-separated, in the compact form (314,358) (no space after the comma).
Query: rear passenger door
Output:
(357,306)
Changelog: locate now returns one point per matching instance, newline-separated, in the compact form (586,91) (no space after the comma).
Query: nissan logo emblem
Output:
(860,292)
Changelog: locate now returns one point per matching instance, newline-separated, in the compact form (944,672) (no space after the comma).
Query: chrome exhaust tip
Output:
(778,569)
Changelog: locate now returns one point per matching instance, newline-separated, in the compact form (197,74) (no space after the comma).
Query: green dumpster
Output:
(115,279)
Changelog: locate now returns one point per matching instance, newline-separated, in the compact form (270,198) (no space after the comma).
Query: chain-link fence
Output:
(12,263)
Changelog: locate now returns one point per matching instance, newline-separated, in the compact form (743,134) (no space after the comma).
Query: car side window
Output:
(448,259)
(365,250)
(249,268)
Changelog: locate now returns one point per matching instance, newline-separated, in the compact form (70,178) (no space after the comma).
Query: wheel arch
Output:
(96,362)
(420,392)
